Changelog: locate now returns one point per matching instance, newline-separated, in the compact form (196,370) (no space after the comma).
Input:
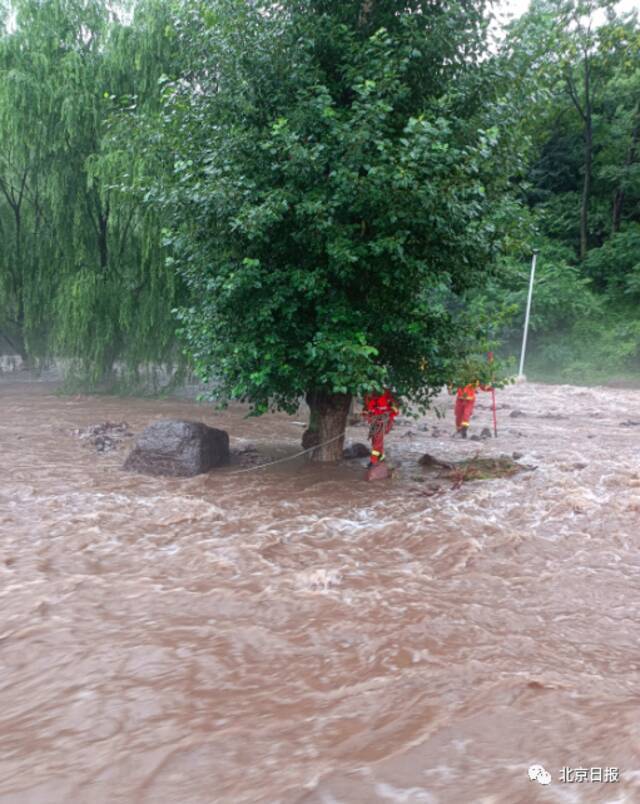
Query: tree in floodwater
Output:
(82,270)
(335,169)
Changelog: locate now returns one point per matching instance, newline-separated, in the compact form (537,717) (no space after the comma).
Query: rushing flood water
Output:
(294,634)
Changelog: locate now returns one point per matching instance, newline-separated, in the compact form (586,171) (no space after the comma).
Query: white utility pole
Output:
(526,318)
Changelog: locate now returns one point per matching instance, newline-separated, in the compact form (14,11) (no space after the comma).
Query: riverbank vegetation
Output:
(308,198)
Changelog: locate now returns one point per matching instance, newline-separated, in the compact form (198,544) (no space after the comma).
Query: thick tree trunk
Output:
(310,437)
(328,419)
(355,415)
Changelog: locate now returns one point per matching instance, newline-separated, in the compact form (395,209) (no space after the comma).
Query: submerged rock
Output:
(430,461)
(104,436)
(177,448)
(247,455)
(381,471)
(357,450)
(475,468)
(554,416)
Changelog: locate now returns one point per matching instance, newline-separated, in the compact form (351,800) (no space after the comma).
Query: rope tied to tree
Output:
(289,457)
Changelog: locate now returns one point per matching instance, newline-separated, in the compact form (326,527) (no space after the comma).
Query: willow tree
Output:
(85,276)
(20,208)
(335,169)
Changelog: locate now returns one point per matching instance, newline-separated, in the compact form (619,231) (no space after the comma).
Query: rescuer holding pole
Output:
(465,402)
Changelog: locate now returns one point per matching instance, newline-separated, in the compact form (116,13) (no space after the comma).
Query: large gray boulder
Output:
(178,449)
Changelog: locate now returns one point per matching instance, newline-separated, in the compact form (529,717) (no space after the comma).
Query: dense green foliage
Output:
(337,170)
(82,274)
(330,195)
(580,69)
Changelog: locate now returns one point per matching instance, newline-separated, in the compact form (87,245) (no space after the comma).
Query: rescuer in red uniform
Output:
(465,401)
(379,410)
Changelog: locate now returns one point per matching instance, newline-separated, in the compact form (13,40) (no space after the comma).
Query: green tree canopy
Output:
(82,273)
(337,167)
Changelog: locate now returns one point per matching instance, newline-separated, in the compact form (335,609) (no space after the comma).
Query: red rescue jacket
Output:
(377,404)
(469,391)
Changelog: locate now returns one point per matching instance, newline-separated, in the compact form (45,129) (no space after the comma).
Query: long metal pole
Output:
(493,398)
(495,416)
(526,319)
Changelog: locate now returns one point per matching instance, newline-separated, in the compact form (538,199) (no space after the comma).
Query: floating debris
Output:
(474,468)
(105,436)
(247,456)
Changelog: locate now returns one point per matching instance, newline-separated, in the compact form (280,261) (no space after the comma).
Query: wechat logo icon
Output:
(538,774)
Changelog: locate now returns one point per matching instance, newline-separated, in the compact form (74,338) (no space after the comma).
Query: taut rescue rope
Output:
(289,457)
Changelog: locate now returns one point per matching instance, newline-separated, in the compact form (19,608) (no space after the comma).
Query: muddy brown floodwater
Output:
(296,635)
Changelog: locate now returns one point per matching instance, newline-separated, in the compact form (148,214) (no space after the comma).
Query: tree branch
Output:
(574,97)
